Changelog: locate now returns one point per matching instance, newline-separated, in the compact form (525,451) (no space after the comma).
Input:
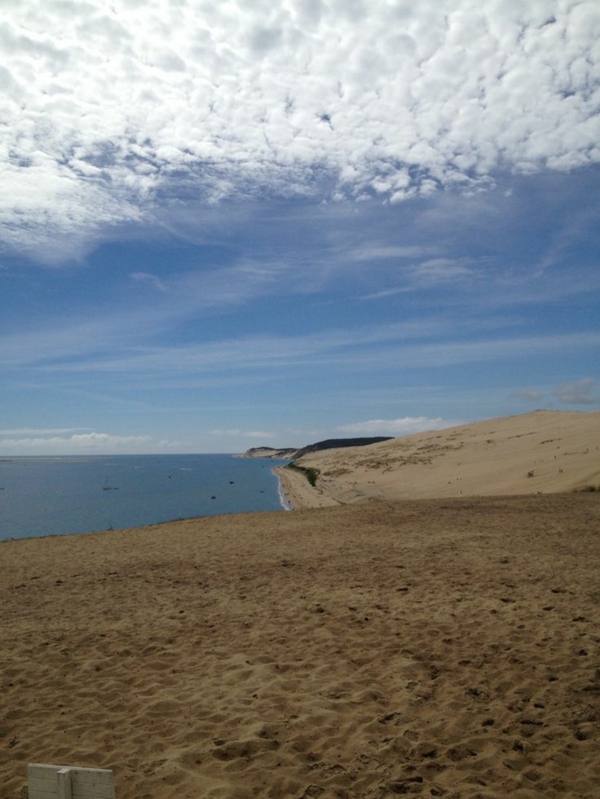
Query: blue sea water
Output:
(60,496)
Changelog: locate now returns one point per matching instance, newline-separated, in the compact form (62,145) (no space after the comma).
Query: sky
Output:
(244,223)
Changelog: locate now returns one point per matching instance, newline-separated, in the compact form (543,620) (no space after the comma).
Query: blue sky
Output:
(233,224)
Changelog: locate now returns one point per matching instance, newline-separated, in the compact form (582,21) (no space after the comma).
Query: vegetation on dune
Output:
(309,472)
(340,443)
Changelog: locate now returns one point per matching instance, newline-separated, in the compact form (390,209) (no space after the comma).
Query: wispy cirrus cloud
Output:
(444,270)
(149,279)
(403,426)
(422,344)
(73,353)
(389,253)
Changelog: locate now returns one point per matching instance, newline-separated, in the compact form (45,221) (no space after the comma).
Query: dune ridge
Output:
(539,452)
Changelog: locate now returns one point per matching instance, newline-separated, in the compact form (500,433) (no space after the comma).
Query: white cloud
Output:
(149,279)
(443,270)
(375,253)
(528,395)
(79,443)
(104,440)
(578,392)
(236,433)
(108,113)
(38,431)
(397,427)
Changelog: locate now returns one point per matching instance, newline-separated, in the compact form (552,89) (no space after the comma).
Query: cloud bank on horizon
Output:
(112,113)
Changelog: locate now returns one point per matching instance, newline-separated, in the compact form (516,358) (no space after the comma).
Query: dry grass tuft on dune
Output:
(539,452)
(437,648)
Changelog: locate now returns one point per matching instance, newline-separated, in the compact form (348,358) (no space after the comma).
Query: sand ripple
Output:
(439,649)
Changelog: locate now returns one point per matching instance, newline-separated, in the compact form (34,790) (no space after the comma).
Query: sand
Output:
(440,648)
(540,452)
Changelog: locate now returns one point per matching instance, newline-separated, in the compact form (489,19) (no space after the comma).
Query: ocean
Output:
(66,495)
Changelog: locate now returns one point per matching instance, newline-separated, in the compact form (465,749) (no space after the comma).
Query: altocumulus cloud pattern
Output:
(111,111)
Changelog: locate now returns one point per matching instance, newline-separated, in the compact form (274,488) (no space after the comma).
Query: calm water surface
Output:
(41,496)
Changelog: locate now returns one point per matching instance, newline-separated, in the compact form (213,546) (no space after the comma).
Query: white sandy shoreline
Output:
(284,500)
(299,493)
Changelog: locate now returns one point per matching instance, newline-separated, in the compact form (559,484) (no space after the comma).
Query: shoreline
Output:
(283,497)
(299,493)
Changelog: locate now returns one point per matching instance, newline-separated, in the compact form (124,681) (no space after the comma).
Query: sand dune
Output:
(438,648)
(539,452)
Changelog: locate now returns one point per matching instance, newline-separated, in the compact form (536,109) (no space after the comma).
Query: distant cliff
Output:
(288,453)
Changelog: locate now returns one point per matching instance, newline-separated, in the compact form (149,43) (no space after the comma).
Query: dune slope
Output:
(539,452)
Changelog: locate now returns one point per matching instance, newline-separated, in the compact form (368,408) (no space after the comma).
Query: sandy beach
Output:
(444,648)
